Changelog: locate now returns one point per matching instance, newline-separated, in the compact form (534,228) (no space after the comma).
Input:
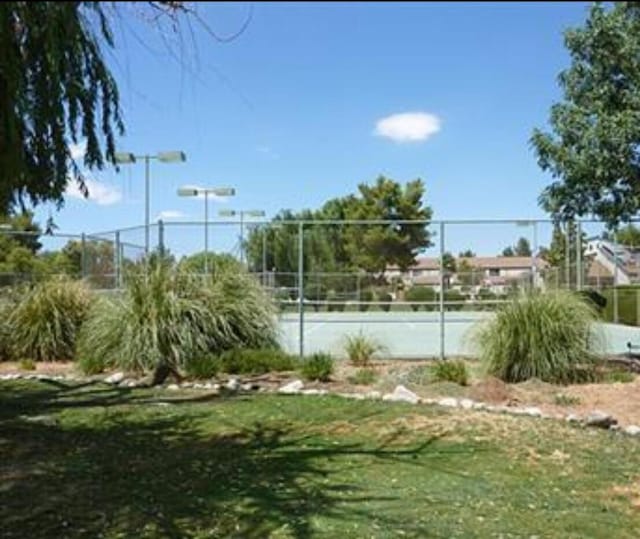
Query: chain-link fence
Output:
(419,287)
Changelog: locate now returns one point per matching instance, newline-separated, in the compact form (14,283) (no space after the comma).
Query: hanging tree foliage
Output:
(55,88)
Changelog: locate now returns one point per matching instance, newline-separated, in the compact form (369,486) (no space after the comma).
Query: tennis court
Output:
(411,335)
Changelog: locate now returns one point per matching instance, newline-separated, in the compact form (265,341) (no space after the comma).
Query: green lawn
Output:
(116,463)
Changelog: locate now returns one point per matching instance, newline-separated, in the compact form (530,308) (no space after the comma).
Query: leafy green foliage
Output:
(521,248)
(452,370)
(385,299)
(216,263)
(167,317)
(592,149)
(318,366)
(422,294)
(27,364)
(563,399)
(255,361)
(548,336)
(628,304)
(54,85)
(366,296)
(360,349)
(618,376)
(363,377)
(449,262)
(47,319)
(333,249)
(454,300)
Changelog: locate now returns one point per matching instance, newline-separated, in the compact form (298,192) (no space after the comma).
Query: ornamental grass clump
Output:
(544,335)
(166,318)
(46,320)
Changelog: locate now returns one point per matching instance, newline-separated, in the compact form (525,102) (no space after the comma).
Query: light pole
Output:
(241,213)
(126,158)
(206,191)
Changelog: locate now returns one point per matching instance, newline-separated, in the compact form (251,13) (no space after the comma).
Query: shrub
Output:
(90,363)
(366,295)
(450,370)
(360,349)
(363,377)
(46,321)
(166,318)
(454,300)
(616,375)
(318,366)
(204,366)
(334,305)
(562,399)
(548,336)
(421,294)
(27,364)
(7,306)
(384,301)
(250,361)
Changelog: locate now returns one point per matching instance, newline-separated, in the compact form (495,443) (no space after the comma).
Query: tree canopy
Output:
(593,148)
(521,248)
(331,248)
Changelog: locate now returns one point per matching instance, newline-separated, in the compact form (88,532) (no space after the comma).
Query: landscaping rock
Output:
(479,406)
(467,404)
(373,395)
(10,376)
(248,386)
(115,378)
(291,388)
(402,394)
(233,384)
(187,385)
(532,411)
(572,418)
(46,420)
(313,392)
(173,387)
(632,430)
(449,402)
(600,419)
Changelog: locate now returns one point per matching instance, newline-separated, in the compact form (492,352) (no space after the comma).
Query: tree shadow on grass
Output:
(168,475)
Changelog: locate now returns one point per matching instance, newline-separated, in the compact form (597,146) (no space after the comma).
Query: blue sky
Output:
(287,112)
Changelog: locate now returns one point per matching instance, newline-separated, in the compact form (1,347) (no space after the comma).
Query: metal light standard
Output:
(242,214)
(206,191)
(126,158)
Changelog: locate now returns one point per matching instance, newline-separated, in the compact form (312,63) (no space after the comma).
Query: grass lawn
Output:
(107,462)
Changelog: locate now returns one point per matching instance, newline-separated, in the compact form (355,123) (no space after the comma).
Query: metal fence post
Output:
(117,260)
(615,276)
(579,256)
(83,256)
(161,237)
(301,286)
(442,351)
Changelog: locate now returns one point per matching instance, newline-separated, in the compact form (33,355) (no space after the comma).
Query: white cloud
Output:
(170,214)
(101,193)
(78,150)
(408,126)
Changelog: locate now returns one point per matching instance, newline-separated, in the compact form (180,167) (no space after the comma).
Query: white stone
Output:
(401,394)
(187,385)
(449,402)
(479,406)
(232,384)
(132,383)
(572,418)
(533,411)
(247,387)
(291,388)
(632,430)
(429,401)
(600,419)
(115,378)
(173,387)
(373,395)
(313,391)
(467,404)
(353,396)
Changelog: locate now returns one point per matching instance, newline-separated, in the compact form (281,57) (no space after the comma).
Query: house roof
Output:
(481,262)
